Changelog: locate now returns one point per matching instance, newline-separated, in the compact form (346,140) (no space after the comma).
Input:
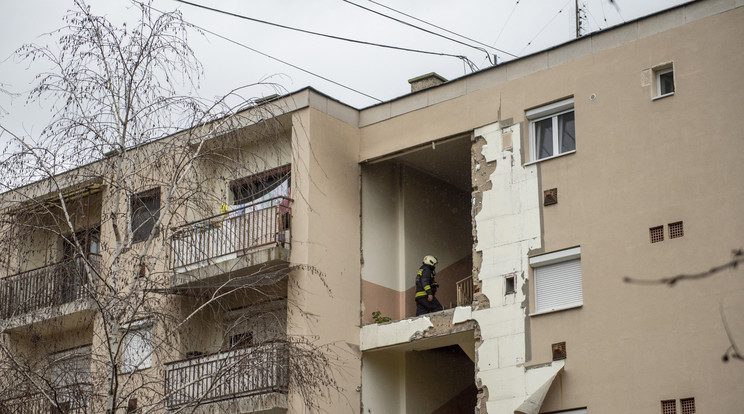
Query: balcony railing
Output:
(248,227)
(73,399)
(52,285)
(465,291)
(243,372)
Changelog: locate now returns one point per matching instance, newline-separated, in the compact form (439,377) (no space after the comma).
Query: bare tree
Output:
(107,283)
(737,258)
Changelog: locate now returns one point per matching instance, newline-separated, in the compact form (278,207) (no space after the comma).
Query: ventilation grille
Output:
(657,234)
(688,404)
(669,407)
(676,230)
(550,197)
(559,351)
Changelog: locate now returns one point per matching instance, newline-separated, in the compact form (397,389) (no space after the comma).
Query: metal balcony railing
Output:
(73,399)
(242,372)
(51,285)
(248,227)
(465,291)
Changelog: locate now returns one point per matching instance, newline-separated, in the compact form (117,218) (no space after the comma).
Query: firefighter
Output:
(426,287)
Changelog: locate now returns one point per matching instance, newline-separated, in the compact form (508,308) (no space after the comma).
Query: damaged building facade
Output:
(552,188)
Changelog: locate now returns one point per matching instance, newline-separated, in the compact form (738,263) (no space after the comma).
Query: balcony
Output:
(50,286)
(72,399)
(251,239)
(257,374)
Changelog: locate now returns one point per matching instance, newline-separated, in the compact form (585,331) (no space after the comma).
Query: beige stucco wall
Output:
(638,163)
(325,236)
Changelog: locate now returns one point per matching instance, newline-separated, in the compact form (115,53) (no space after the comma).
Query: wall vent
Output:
(559,351)
(656,233)
(669,407)
(676,230)
(550,197)
(688,405)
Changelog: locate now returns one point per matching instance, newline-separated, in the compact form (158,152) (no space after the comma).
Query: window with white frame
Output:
(552,130)
(664,80)
(557,277)
(136,346)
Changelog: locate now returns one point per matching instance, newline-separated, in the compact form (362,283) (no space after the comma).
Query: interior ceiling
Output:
(448,161)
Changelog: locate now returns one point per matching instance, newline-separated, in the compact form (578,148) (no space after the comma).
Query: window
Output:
(552,130)
(510,286)
(145,211)
(273,183)
(136,347)
(664,79)
(557,280)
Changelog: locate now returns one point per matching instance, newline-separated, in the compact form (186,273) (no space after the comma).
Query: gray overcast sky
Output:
(520,27)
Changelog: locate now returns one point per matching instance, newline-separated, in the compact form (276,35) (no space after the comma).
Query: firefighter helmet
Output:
(430,260)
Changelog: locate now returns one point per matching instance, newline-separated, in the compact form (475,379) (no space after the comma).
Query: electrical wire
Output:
(444,29)
(488,55)
(240,16)
(586,9)
(506,23)
(271,57)
(544,27)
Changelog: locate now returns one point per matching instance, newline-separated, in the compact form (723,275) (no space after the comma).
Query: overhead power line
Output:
(488,55)
(272,57)
(444,29)
(296,29)
(506,23)
(544,27)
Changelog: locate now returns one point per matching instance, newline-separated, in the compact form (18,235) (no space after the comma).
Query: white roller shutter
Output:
(558,286)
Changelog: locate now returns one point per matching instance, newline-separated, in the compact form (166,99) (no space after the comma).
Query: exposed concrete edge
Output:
(382,335)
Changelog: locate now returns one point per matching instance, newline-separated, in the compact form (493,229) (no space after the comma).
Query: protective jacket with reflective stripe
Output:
(425,283)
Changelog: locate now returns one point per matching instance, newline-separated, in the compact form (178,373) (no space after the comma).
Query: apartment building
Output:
(542,185)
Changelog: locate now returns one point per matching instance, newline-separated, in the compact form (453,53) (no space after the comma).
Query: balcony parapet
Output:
(72,399)
(46,287)
(253,238)
(245,372)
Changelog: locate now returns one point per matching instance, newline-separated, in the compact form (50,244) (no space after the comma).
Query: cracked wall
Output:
(506,213)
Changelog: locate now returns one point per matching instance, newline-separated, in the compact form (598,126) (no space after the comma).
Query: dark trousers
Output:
(423,305)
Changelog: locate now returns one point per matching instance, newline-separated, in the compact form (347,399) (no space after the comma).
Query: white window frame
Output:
(550,111)
(543,262)
(135,359)
(658,72)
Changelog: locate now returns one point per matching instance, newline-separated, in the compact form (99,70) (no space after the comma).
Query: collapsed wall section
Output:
(506,215)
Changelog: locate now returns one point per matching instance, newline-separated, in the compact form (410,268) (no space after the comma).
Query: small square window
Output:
(511,286)
(688,405)
(663,80)
(676,230)
(656,234)
(552,130)
(669,407)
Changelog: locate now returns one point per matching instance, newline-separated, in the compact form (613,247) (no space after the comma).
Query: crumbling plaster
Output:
(506,213)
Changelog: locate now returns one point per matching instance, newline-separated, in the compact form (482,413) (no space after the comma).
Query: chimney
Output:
(426,81)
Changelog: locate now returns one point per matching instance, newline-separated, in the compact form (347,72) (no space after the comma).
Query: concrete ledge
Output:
(437,324)
(268,403)
(232,266)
